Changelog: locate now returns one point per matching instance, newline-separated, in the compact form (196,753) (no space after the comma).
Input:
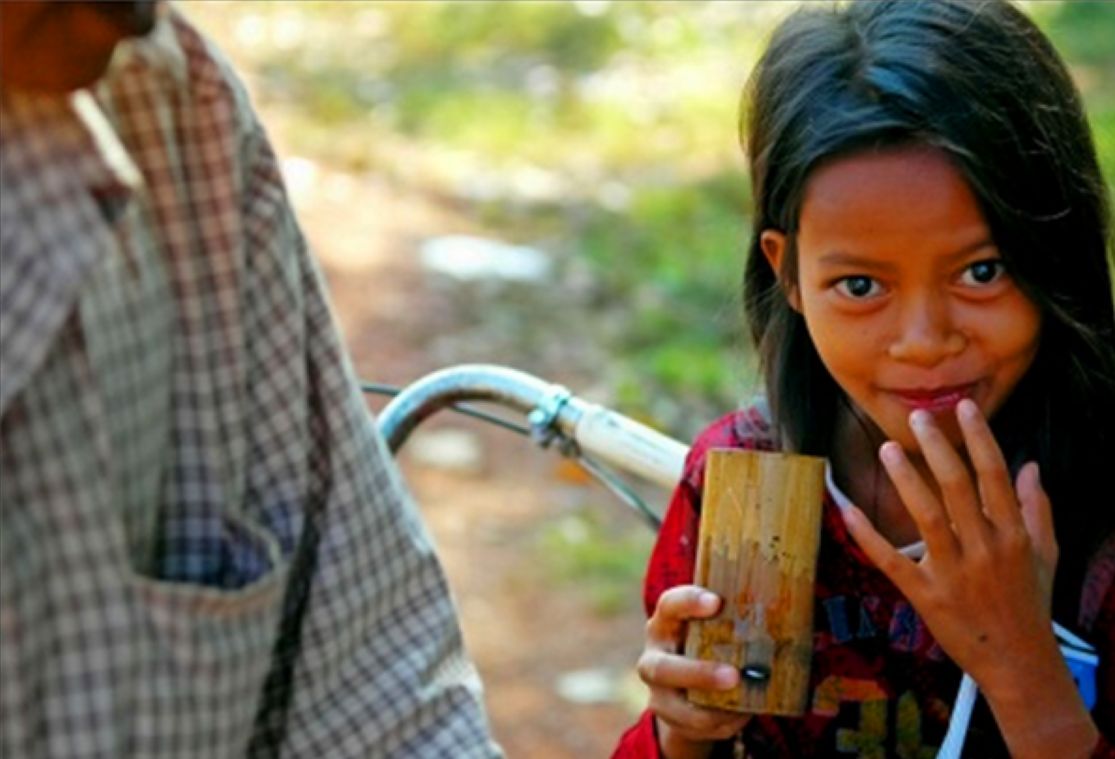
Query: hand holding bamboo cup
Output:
(759,536)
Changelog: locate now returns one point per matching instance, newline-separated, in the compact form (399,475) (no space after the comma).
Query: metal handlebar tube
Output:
(552,410)
(469,382)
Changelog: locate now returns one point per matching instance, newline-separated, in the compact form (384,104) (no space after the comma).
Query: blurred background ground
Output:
(556,186)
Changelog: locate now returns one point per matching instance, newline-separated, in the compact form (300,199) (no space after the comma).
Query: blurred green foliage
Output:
(607,129)
(1084,32)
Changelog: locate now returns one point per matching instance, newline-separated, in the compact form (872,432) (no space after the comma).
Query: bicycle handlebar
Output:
(552,410)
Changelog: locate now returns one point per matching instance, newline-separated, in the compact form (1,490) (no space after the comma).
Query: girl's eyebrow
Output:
(841,258)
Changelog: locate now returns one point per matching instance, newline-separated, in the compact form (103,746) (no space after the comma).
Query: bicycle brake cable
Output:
(620,490)
(612,482)
(498,421)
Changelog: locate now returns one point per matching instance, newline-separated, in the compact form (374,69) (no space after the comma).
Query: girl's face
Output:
(903,291)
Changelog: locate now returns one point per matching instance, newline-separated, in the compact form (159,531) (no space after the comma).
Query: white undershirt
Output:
(914,550)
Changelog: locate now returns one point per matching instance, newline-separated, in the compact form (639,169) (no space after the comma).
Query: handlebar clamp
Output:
(542,418)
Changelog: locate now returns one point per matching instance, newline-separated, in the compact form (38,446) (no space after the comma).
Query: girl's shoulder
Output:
(747,428)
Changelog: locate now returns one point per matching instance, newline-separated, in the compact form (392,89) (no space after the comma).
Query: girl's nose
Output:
(927,332)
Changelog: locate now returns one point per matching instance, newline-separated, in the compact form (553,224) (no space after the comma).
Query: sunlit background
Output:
(604,134)
(557,186)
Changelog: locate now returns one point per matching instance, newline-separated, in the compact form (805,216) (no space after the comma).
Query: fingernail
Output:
(919,419)
(726,677)
(967,409)
(708,599)
(890,452)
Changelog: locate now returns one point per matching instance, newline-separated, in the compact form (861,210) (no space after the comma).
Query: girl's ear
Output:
(774,246)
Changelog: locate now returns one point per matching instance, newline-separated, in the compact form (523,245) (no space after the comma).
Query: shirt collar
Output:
(159,51)
(58,154)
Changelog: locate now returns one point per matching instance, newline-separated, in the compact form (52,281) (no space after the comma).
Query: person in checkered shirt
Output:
(205,549)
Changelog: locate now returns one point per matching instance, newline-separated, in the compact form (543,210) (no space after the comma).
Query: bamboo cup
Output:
(759,535)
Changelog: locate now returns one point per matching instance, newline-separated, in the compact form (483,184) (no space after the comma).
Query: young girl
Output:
(929,288)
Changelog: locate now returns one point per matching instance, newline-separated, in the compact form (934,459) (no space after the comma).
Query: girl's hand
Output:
(984,585)
(685,731)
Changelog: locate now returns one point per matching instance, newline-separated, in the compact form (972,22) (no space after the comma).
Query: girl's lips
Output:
(934,399)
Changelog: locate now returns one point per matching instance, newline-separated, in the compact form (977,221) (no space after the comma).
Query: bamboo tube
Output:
(759,535)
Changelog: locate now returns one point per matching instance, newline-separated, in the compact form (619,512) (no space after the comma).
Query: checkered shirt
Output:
(204,549)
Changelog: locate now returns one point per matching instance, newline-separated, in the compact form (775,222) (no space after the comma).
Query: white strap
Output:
(961,717)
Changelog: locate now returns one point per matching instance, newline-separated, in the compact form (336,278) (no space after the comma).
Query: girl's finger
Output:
(659,669)
(675,608)
(925,508)
(1037,514)
(993,477)
(958,492)
(697,722)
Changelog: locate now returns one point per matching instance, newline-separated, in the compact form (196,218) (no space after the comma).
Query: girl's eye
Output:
(983,273)
(857,287)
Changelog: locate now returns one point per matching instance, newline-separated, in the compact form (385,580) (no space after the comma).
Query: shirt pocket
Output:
(203,650)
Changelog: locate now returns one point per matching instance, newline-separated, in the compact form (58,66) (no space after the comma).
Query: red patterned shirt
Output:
(881,686)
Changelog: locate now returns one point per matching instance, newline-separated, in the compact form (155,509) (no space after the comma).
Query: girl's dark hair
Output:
(980,82)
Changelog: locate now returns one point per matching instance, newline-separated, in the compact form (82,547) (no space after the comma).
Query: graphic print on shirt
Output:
(843,619)
(870,725)
(868,719)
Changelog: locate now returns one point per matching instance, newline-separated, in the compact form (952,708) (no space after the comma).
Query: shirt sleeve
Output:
(640,741)
(368,658)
